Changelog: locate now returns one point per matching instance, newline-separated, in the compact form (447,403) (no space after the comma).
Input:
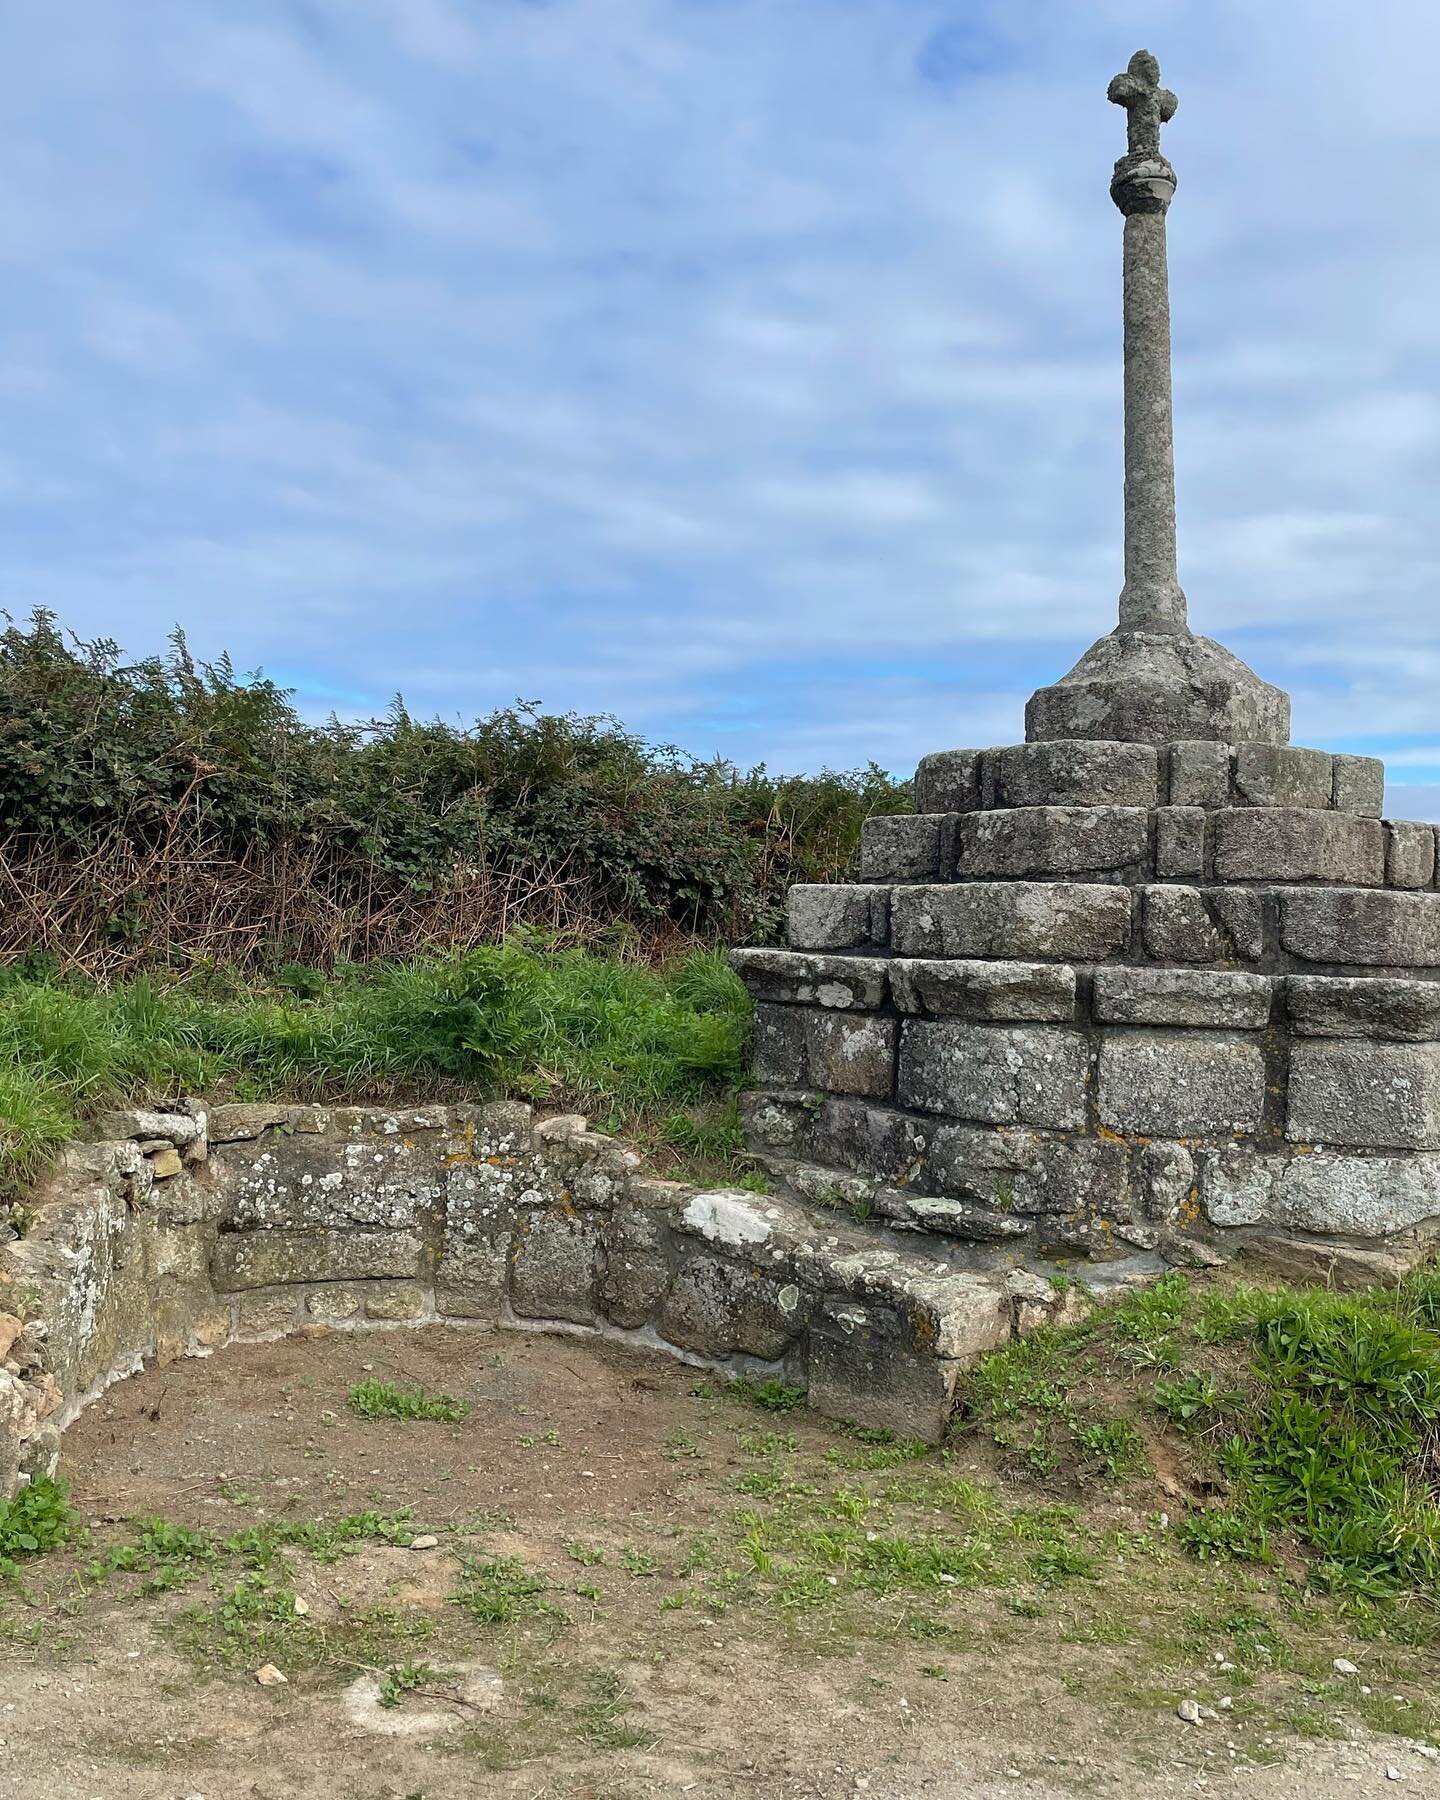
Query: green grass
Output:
(634,1046)
(383,1400)
(1313,1416)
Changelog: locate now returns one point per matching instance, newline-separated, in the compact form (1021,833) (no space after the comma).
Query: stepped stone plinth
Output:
(1154,980)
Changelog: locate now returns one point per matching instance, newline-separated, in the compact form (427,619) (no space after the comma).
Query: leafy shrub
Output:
(169,811)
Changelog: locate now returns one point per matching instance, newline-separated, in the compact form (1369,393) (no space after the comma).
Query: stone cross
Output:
(1143,186)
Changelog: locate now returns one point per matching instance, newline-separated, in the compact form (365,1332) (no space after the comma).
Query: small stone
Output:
(269,1676)
(1392,1773)
(426,1541)
(165,1162)
(302,1606)
(1343,1666)
(1189,1712)
(1225,1702)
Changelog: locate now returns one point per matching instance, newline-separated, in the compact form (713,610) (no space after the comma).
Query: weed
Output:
(39,1518)
(498,1590)
(602,1717)
(770,1395)
(587,1555)
(383,1400)
(401,1679)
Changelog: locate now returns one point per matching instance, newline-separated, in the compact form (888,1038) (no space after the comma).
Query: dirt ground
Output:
(637,1589)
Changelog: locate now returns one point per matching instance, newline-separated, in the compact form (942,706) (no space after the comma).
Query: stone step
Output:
(890,1328)
(1132,845)
(1086,772)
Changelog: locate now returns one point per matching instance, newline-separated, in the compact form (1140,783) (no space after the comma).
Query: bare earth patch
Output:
(679,1594)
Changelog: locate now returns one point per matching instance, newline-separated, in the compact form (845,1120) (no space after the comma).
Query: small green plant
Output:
(1188,1398)
(1113,1447)
(38,1519)
(637,1562)
(771,1395)
(587,1555)
(498,1590)
(384,1400)
(401,1679)
(1222,1531)
(602,1717)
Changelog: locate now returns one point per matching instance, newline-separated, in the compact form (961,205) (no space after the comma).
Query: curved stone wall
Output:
(174,1233)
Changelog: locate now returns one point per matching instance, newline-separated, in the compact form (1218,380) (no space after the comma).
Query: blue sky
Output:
(746,368)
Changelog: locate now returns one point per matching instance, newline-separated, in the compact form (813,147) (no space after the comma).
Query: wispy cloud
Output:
(747,369)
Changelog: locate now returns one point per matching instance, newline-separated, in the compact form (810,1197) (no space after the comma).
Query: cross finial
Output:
(1147,104)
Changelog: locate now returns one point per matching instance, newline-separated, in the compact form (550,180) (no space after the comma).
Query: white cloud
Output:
(690,362)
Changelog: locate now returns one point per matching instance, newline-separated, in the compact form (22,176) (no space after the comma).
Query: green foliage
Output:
(1190,1398)
(499,1590)
(770,1395)
(38,1519)
(401,1679)
(112,764)
(383,1400)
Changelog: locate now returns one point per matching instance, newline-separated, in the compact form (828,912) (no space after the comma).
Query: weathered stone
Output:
(165,1162)
(857,982)
(1056,921)
(251,1259)
(554,1271)
(1324,1262)
(1200,774)
(717,1308)
(1236,1187)
(984,990)
(588,1168)
(1283,775)
(394,1301)
(1359,786)
(1029,1172)
(1053,840)
(165,1127)
(334,1305)
(948,782)
(852,1134)
(470,1278)
(237,1121)
(637,1270)
(907,847)
(1167,1173)
(316,1182)
(1152,688)
(1280,844)
(1383,1095)
(835,916)
(848,1053)
(957,1218)
(777,1121)
(997,1074)
(1364,1006)
(1142,996)
(1078,772)
(1370,1196)
(778,1047)
(1180,843)
(1386,929)
(1180,1084)
(264,1311)
(1209,925)
(1409,854)
(893,1369)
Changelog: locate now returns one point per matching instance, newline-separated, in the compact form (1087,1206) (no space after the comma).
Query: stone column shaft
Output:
(1151,599)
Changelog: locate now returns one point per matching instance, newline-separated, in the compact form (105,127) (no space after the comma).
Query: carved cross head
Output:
(1147,104)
